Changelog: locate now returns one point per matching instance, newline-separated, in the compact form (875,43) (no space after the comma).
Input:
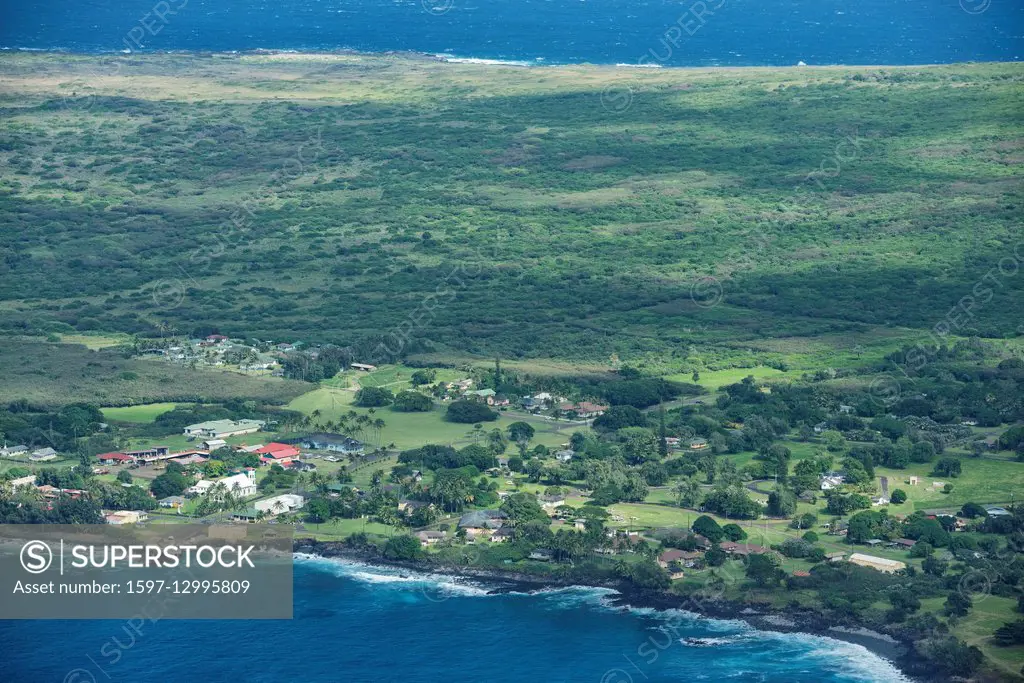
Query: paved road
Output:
(885,486)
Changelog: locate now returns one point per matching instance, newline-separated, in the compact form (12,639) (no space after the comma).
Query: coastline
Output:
(788,620)
(443,58)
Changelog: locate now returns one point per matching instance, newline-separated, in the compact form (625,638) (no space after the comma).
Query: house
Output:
(530,403)
(845,410)
(286,502)
(126,517)
(873,542)
(42,455)
(673,555)
(499,401)
(584,409)
(430,537)
(835,557)
(542,555)
(115,459)
(216,338)
(503,534)
(150,455)
(220,429)
(995,511)
(248,515)
(172,502)
(698,444)
(50,492)
(672,441)
(363,367)
(801,573)
(913,480)
(741,548)
(11,451)
(482,394)
(280,453)
(29,480)
(877,563)
(214,444)
(969,422)
(300,466)
(831,481)
(904,543)
(336,443)
(820,427)
(550,503)
(408,505)
(482,522)
(564,455)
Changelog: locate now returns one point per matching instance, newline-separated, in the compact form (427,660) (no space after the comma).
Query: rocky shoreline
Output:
(785,620)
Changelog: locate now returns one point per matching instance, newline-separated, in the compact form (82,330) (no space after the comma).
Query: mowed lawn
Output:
(140,414)
(412,430)
(716,379)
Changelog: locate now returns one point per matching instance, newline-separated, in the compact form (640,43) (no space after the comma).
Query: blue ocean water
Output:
(667,32)
(361,624)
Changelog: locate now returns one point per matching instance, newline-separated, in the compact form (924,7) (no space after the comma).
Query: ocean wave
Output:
(480,60)
(393,577)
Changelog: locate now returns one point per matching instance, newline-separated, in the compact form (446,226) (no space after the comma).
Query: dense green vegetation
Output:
(467,210)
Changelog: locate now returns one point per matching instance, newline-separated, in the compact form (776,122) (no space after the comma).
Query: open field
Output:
(411,430)
(716,379)
(140,414)
(55,374)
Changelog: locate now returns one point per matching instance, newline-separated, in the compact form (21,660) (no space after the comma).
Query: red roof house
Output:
(277,452)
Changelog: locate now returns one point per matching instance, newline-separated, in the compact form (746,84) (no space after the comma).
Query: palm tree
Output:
(379,425)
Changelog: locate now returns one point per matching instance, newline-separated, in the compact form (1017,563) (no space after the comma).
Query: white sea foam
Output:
(480,60)
(392,576)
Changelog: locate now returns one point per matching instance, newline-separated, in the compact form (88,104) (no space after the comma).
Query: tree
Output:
(972,510)
(781,503)
(374,397)
(898,497)
(124,476)
(834,441)
(170,483)
(708,528)
(522,508)
(1011,633)
(470,412)
(957,604)
(423,376)
(734,532)
(947,467)
(412,402)
(764,569)
(715,556)
(922,451)
(618,417)
(688,492)
(402,547)
(954,657)
(318,511)
(521,432)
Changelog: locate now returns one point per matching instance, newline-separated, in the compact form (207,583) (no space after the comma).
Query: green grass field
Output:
(716,379)
(141,414)
(411,430)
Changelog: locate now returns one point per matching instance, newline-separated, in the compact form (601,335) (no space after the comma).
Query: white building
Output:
(16,484)
(221,429)
(240,485)
(286,502)
(214,444)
